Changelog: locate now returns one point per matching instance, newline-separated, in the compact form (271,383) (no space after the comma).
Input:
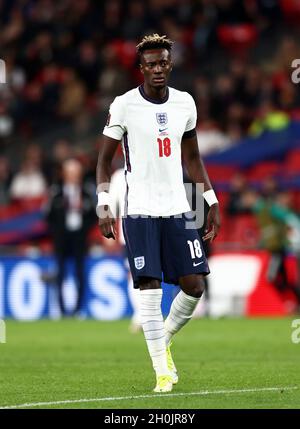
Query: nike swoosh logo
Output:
(163,129)
(195,265)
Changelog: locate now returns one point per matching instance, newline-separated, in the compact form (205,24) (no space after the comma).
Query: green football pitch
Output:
(225,363)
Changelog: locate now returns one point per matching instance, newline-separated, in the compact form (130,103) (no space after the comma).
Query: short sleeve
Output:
(114,127)
(192,120)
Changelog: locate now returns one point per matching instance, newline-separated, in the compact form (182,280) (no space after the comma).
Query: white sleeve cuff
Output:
(115,132)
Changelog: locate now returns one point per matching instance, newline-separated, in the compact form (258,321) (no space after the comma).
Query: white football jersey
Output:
(151,134)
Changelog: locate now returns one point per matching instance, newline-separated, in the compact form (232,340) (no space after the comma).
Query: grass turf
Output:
(71,360)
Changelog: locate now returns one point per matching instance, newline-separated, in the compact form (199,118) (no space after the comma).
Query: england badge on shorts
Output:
(139,262)
(162,118)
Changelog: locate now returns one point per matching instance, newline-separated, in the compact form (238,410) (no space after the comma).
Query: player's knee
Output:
(198,289)
(148,283)
(194,287)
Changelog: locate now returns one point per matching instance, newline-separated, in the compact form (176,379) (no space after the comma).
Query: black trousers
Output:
(71,244)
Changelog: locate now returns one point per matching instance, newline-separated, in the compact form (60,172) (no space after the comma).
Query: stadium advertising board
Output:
(25,293)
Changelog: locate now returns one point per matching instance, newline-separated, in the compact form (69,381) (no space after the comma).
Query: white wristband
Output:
(210,197)
(103,199)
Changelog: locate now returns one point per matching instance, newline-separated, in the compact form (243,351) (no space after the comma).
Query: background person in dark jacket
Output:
(70,215)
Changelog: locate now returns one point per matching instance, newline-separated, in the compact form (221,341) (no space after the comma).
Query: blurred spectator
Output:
(112,80)
(211,139)
(269,188)
(232,11)
(5,180)
(6,122)
(204,20)
(61,151)
(222,97)
(287,51)
(39,51)
(50,79)
(286,211)
(248,90)
(269,119)
(29,182)
(70,214)
(174,31)
(274,216)
(13,27)
(65,58)
(288,96)
(112,19)
(135,23)
(72,96)
(33,107)
(88,66)
(238,196)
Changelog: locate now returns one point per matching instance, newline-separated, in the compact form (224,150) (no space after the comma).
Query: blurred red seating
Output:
(291,165)
(125,52)
(220,173)
(22,206)
(291,10)
(296,200)
(237,38)
(223,198)
(239,232)
(264,169)
(295,114)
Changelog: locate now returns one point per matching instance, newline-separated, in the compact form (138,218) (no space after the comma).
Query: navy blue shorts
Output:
(163,248)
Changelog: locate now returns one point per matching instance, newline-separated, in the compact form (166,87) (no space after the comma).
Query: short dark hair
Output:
(154,41)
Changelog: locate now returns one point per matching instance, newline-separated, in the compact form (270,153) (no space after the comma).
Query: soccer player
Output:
(156,126)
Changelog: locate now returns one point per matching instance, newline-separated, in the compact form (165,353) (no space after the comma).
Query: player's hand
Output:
(107,222)
(213,223)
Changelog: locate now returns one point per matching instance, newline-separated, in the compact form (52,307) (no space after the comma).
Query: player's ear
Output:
(141,68)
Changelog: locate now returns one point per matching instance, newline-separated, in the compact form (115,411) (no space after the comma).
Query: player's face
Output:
(156,66)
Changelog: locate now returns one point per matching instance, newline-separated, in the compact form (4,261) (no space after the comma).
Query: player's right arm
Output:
(103,175)
(112,136)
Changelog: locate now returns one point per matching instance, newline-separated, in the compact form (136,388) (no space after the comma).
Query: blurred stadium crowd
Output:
(67,60)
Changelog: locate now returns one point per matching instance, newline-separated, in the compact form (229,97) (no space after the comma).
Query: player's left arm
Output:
(198,174)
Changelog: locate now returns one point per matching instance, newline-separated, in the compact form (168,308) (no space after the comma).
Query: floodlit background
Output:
(65,63)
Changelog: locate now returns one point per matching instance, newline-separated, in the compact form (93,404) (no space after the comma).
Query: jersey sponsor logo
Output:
(195,265)
(162,118)
(162,129)
(139,262)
